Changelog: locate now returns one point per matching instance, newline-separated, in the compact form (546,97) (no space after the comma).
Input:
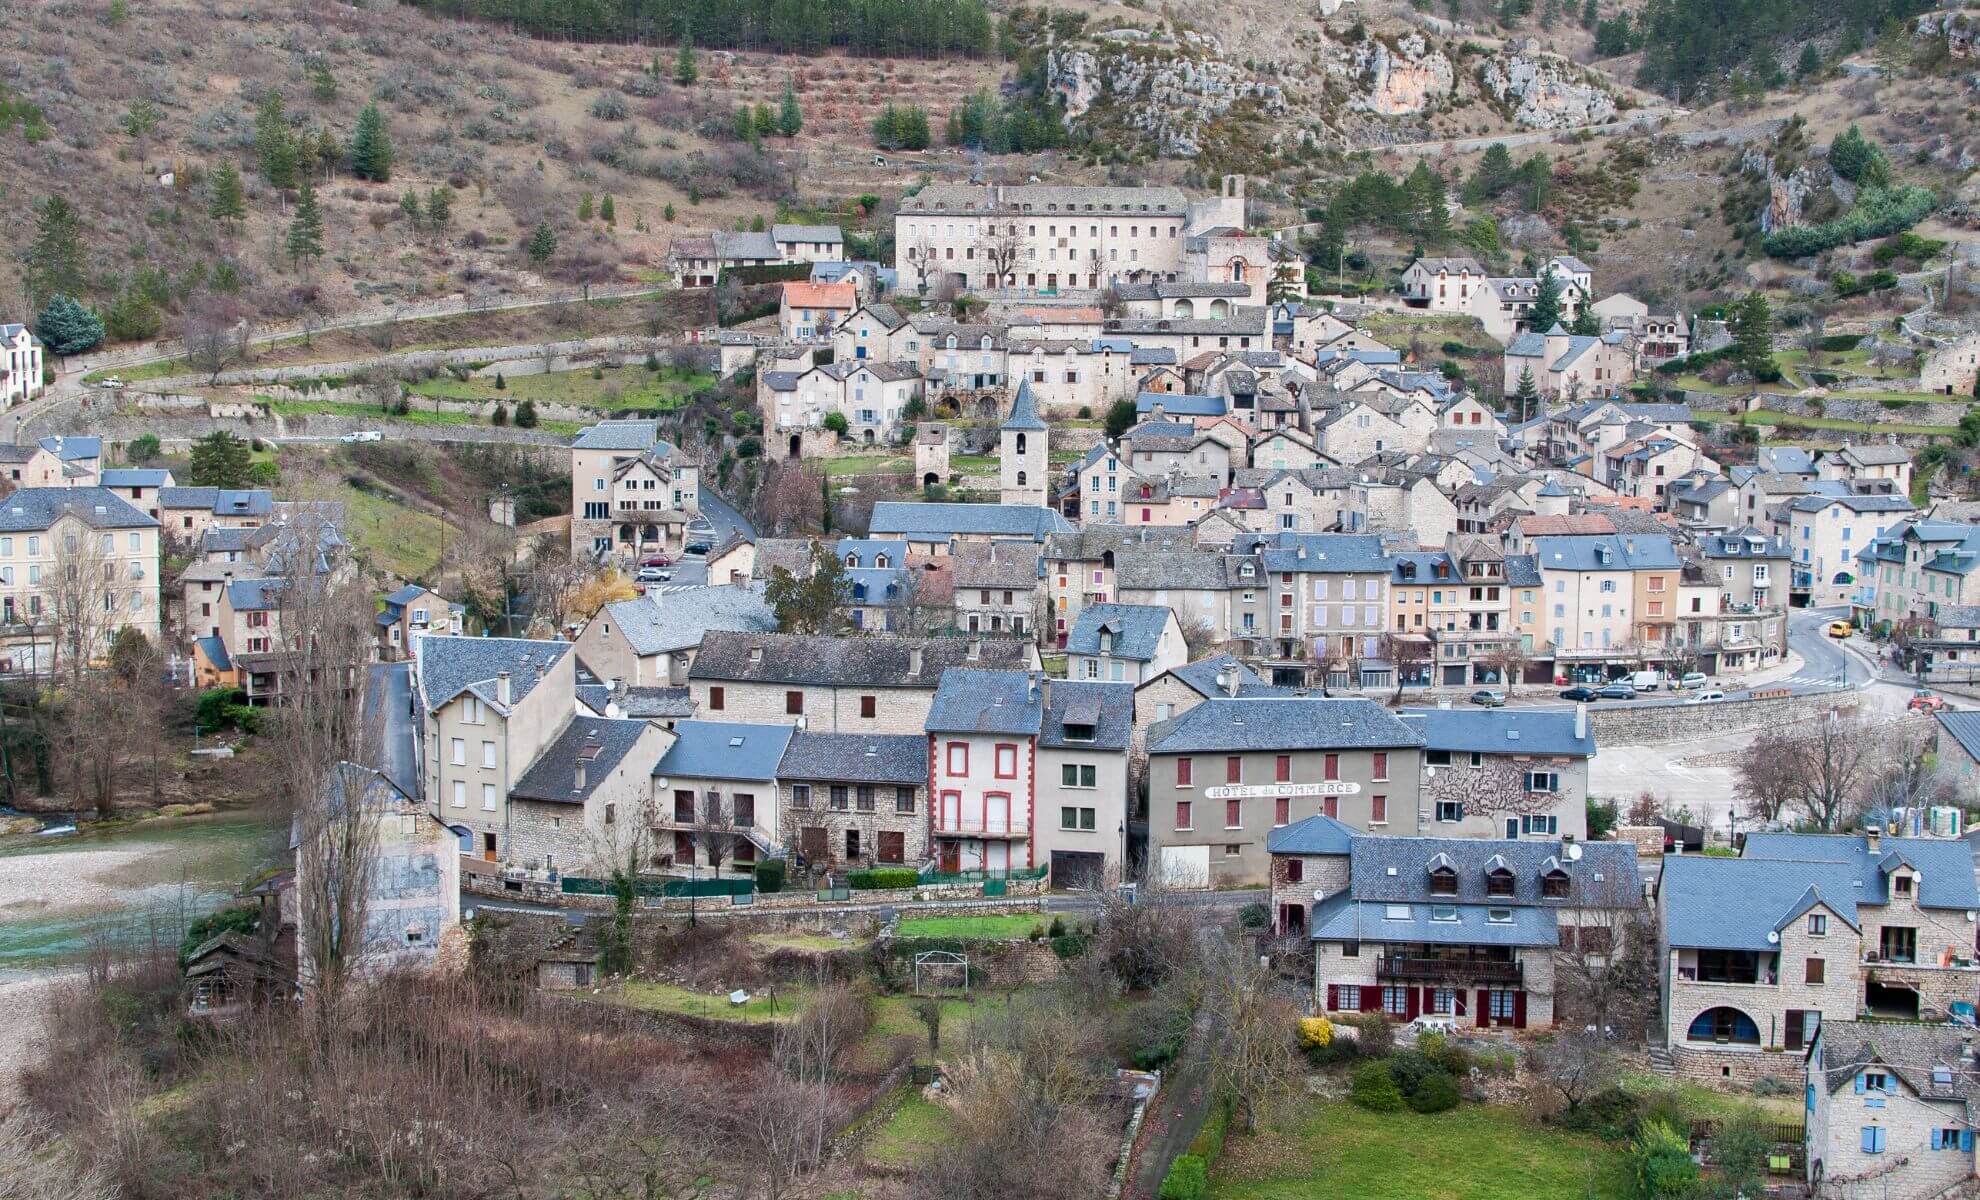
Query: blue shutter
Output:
(1869,1139)
(1811,1097)
(1966,1140)
(1860,1084)
(1877,1138)
(1935,1140)
(1890,1084)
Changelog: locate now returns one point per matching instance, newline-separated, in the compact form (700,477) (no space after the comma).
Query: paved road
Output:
(724,518)
(388,709)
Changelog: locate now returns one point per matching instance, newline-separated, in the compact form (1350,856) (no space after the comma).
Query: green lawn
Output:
(1707,1104)
(807,941)
(898,1016)
(1338,1151)
(867,464)
(395,538)
(918,1126)
(989,929)
(632,387)
(666,997)
(1791,421)
(414,415)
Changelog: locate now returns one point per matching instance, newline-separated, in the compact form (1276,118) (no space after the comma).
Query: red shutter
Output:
(1519,1009)
(1282,768)
(1457,1002)
(1371,998)
(1282,811)
(1333,997)
(1484,1008)
(1295,870)
(1333,764)
(1331,806)
(1412,1004)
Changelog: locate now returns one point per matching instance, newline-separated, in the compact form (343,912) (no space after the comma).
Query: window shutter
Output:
(1890,1084)
(1519,1010)
(1869,1139)
(1966,1140)
(1333,997)
(1811,1097)
(1371,999)
(1484,1008)
(1412,1004)
(1860,1084)
(1935,1140)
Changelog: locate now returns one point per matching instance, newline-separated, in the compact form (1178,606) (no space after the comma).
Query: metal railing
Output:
(988,826)
(1392,967)
(994,875)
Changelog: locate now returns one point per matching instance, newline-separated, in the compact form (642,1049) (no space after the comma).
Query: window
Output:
(1381,773)
(1078,775)
(1183,815)
(1554,886)
(1543,781)
(1234,814)
(841,797)
(1331,767)
(1499,882)
(460,794)
(800,795)
(459,756)
(958,758)
(1443,912)
(1818,925)
(1816,971)
(1898,943)
(1873,1139)
(1952,1139)
(1071,817)
(904,800)
(1282,811)
(1533,824)
(1006,761)
(488,755)
(1295,870)
(715,697)
(1449,811)
(1395,1001)
(488,797)
(1183,772)
(1443,882)
(1233,770)
(1901,885)
(1282,768)
(1437,758)
(1378,810)
(869,706)
(1498,916)
(1501,1004)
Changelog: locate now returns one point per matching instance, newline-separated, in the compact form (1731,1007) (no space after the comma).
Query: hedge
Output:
(1188,1179)
(880,878)
(1877,212)
(770,877)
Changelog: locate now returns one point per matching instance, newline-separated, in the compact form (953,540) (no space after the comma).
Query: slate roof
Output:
(135,477)
(215,650)
(618,435)
(33,509)
(1744,542)
(824,661)
(1182,404)
(1201,677)
(1342,918)
(978,701)
(1136,630)
(1959,616)
(645,703)
(1911,1051)
(996,565)
(1876,454)
(1853,502)
(1397,869)
(255,595)
(449,666)
(898,758)
(1152,356)
(974,199)
(1180,290)
(781,381)
(1106,708)
(725,750)
(669,619)
(758,245)
(807,233)
(1522,571)
(1329,552)
(920,521)
(1787,460)
(1281,723)
(553,776)
(1317,834)
(73,448)
(1742,903)
(1024,411)
(1945,867)
(1501,731)
(1625,552)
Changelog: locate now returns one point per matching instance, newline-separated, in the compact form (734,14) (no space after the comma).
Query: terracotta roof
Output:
(821,295)
(1565,524)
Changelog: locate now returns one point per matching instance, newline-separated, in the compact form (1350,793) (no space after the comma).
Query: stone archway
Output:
(797,445)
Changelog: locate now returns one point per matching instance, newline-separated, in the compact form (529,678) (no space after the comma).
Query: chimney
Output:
(588,751)
(975,650)
(1034,688)
(1223,679)
(502,694)
(914,660)
(1580,720)
(1873,837)
(1233,681)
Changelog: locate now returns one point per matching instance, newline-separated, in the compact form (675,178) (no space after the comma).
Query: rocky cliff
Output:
(1544,91)
(1401,80)
(1161,96)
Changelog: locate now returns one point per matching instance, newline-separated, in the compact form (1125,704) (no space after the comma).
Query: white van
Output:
(1646,681)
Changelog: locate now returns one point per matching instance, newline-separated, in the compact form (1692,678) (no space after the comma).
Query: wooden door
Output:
(812,844)
(488,847)
(951,857)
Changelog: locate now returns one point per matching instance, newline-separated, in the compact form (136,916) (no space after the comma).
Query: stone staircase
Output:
(1661,1063)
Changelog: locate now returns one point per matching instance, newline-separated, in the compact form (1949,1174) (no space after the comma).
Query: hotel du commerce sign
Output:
(1280,791)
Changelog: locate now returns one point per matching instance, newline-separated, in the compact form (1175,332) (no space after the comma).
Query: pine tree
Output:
(501,414)
(584,206)
(542,244)
(305,240)
(1494,175)
(1586,323)
(132,317)
(667,212)
(1810,63)
(274,145)
(225,202)
(409,205)
(790,120)
(1526,397)
(765,122)
(120,12)
(54,260)
(526,415)
(371,146)
(685,71)
(606,211)
(1546,310)
(1752,326)
(67,327)
(329,151)
(1536,183)
(141,120)
(745,125)
(1430,211)
(220,460)
(440,206)
(322,84)
(1588,14)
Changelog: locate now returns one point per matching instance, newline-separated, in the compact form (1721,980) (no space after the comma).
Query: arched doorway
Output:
(797,445)
(929,479)
(1724,1025)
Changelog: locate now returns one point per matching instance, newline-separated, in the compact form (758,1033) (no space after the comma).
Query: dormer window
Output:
(1901,885)
(1499,882)
(880,560)
(1554,885)
(1443,882)
(852,559)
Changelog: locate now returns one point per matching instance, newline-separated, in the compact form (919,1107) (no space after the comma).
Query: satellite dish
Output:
(1773,936)
(1319,894)
(1573,851)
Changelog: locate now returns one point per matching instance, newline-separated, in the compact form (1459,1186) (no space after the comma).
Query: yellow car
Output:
(1839,629)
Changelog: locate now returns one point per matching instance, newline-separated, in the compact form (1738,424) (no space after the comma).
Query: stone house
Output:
(853,800)
(1890,1109)
(410,613)
(1886,461)
(878,332)
(1503,773)
(631,490)
(46,530)
(1227,771)
(1759,951)
(1083,775)
(809,243)
(1470,929)
(715,795)
(1124,642)
(1442,284)
(651,641)
(996,587)
(1951,369)
(835,684)
(936,528)
(586,802)
(1570,365)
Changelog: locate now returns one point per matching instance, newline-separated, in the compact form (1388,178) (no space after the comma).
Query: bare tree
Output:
(1001,249)
(588,266)
(215,333)
(783,1130)
(35,1164)
(1833,763)
(790,500)
(1251,1031)
(84,599)
(1199,637)
(1574,1065)
(1768,777)
(1509,662)
(715,829)
(1410,653)
(1605,971)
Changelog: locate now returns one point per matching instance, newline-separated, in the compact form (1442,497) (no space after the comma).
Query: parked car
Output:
(1926,702)
(656,560)
(1693,679)
(1617,691)
(696,548)
(1839,629)
(364,435)
(1708,696)
(110,384)
(1646,681)
(1578,693)
(1489,698)
(653,575)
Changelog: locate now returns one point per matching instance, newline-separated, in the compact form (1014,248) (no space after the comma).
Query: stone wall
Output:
(1737,1068)
(1652,723)
(991,964)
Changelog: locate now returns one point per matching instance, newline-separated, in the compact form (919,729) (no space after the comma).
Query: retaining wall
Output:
(1738,1068)
(1649,724)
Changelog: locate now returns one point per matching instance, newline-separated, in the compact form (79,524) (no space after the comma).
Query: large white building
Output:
(1041,237)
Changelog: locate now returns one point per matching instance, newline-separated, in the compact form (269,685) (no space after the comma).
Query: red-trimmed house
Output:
(983,768)
(1463,927)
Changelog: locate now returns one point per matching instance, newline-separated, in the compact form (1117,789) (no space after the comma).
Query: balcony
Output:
(1435,970)
(947,825)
